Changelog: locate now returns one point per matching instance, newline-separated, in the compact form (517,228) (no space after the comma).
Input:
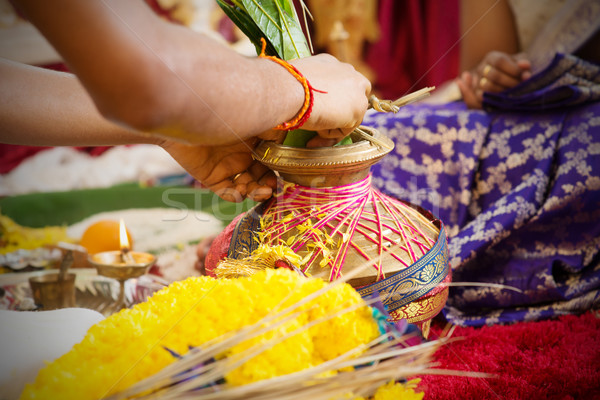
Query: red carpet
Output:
(557,359)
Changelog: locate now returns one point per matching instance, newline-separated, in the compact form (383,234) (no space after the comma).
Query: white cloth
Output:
(29,339)
(65,168)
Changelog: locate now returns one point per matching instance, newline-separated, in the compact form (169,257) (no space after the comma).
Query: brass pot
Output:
(326,166)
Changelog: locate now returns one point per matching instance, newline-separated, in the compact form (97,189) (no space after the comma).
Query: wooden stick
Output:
(394,106)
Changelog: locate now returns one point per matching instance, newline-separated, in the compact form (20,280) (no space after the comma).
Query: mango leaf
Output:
(266,17)
(294,41)
(288,6)
(281,29)
(298,138)
(344,141)
(243,21)
(278,23)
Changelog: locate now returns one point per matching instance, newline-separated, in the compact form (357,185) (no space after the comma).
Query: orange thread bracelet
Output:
(306,109)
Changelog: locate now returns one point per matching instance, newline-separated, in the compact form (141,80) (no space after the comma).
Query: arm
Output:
(485,25)
(158,77)
(489,50)
(48,108)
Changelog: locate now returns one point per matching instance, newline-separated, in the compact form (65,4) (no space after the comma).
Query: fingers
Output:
(523,63)
(319,141)
(495,80)
(340,95)
(500,71)
(274,135)
(338,133)
(256,183)
(232,189)
(503,63)
(263,179)
(466,85)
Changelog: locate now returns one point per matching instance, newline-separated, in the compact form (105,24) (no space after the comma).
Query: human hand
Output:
(341,109)
(495,73)
(227,170)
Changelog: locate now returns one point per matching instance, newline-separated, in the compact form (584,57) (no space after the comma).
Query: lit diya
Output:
(122,264)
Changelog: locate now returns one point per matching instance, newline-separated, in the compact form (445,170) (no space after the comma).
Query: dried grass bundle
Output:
(359,372)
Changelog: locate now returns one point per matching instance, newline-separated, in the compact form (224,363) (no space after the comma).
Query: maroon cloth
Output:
(554,359)
(12,155)
(418,45)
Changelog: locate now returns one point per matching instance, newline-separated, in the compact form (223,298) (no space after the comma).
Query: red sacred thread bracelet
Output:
(306,109)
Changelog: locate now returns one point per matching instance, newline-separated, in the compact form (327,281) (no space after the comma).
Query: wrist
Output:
(284,93)
(301,116)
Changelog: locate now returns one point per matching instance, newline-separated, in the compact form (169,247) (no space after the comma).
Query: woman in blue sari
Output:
(517,185)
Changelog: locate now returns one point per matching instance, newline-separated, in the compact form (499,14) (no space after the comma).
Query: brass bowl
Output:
(326,166)
(110,264)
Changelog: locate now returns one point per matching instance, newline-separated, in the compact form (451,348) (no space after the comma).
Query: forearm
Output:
(486,25)
(158,77)
(47,108)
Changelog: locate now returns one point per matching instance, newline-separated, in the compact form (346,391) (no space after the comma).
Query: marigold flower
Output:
(130,345)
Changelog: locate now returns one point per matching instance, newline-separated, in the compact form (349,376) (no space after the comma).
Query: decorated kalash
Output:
(327,220)
(317,293)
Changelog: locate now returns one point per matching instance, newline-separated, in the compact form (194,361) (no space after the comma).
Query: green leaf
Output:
(278,23)
(243,21)
(298,138)
(344,141)
(265,16)
(280,28)
(294,41)
(288,6)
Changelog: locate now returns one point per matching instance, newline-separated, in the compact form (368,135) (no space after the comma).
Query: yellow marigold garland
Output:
(395,391)
(15,237)
(128,346)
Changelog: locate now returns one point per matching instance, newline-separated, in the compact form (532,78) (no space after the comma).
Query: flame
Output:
(123,239)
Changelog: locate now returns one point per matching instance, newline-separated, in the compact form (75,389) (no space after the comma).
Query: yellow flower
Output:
(395,391)
(270,254)
(14,236)
(399,391)
(129,346)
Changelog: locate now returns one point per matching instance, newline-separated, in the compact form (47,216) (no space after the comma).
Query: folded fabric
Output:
(30,339)
(566,81)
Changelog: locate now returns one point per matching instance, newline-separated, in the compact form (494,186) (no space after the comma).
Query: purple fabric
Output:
(520,196)
(566,81)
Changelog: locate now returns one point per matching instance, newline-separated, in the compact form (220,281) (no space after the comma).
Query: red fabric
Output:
(220,247)
(12,155)
(555,359)
(418,45)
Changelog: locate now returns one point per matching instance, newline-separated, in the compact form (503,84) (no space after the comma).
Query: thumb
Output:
(274,135)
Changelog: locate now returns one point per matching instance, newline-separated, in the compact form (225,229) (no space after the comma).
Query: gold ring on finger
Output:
(486,70)
(482,82)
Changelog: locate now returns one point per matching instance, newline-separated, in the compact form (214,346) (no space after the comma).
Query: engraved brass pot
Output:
(326,166)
